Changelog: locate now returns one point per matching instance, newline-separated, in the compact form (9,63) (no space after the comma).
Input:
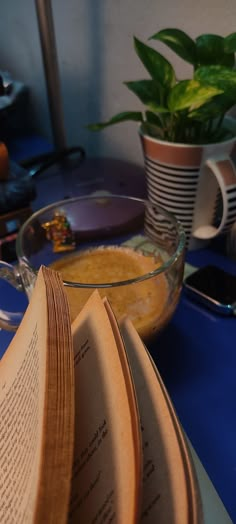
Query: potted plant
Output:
(184,127)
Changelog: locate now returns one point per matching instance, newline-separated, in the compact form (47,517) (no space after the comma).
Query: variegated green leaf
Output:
(220,77)
(179,42)
(216,107)
(189,94)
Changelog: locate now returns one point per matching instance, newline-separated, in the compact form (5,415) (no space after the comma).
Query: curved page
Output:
(170,490)
(36,410)
(106,472)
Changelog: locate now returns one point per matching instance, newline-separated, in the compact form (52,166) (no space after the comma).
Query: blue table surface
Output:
(196,356)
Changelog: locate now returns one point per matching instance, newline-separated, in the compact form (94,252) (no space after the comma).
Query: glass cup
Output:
(129,249)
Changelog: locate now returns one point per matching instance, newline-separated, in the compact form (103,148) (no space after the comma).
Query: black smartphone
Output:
(213,287)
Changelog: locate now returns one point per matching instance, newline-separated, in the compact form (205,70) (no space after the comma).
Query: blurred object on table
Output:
(10,224)
(4,163)
(17,190)
(231,243)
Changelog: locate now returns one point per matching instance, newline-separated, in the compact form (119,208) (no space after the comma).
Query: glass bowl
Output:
(130,249)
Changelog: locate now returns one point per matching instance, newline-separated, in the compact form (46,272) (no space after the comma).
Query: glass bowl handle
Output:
(9,320)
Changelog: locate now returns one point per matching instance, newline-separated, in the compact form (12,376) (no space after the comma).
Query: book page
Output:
(170,491)
(213,508)
(58,421)
(106,472)
(26,393)
(22,389)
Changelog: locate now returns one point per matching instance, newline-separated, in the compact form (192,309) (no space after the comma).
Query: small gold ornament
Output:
(59,231)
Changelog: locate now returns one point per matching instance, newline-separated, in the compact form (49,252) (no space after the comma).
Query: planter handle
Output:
(215,208)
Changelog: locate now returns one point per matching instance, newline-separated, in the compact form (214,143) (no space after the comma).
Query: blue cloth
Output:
(196,356)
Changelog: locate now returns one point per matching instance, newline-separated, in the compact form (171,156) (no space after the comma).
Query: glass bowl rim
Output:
(161,269)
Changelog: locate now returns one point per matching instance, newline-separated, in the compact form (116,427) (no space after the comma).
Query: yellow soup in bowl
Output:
(145,302)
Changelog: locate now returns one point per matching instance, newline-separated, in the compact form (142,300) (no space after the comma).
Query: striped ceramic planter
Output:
(195,183)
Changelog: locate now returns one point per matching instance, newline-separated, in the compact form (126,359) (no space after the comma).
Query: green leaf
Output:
(211,51)
(216,107)
(153,125)
(230,43)
(147,90)
(220,77)
(158,67)
(209,130)
(179,42)
(158,109)
(189,94)
(153,130)
(135,116)
(152,118)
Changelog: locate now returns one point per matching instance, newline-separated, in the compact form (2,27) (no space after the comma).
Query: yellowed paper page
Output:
(168,477)
(22,390)
(25,403)
(58,431)
(106,467)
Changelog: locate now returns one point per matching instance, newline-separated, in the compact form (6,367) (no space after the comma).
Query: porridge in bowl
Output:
(145,302)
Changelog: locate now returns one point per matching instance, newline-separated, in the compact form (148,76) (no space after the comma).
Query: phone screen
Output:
(214,283)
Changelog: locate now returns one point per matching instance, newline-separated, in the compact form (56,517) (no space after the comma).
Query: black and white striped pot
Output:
(197,183)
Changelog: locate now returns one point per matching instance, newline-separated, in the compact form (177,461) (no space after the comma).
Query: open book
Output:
(88,433)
